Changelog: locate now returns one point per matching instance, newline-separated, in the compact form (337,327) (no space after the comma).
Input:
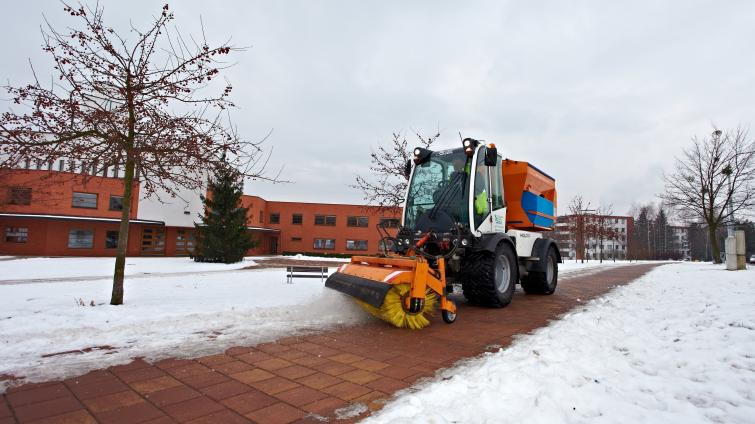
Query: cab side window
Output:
(496,185)
(480,205)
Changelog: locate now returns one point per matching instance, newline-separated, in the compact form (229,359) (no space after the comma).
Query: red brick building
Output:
(612,241)
(56,213)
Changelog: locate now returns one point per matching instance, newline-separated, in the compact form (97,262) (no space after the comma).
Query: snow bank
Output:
(676,346)
(184,316)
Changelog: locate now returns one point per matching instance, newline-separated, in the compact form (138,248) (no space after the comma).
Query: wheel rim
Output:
(549,270)
(502,275)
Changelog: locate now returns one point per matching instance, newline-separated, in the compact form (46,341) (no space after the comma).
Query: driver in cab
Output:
(452,194)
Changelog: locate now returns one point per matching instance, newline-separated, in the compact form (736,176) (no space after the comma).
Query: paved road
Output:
(308,378)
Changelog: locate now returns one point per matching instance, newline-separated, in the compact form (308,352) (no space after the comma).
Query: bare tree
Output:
(385,186)
(601,228)
(150,104)
(579,209)
(713,180)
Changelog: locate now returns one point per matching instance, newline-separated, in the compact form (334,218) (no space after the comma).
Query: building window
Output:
(329,220)
(275,218)
(295,238)
(357,221)
(16,234)
(111,240)
(262,217)
(184,242)
(389,222)
(80,239)
(153,241)
(329,244)
(84,200)
(116,203)
(296,219)
(356,244)
(20,196)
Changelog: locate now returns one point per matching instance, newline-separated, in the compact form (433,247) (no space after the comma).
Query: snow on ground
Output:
(40,268)
(163,316)
(675,346)
(173,307)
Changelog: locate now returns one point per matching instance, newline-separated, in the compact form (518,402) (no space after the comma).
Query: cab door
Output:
(497,199)
(487,205)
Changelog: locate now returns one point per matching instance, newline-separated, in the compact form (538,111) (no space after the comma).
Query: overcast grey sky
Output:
(601,95)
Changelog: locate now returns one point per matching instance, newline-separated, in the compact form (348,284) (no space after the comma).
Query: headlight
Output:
(464,242)
(406,241)
(417,152)
(467,143)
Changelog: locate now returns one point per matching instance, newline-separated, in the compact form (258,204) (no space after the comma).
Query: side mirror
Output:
(491,156)
(407,169)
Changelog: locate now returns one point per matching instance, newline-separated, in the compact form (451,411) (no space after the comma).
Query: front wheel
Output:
(489,278)
(543,282)
(448,317)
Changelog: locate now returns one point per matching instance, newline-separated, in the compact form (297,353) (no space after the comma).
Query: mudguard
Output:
(540,250)
(489,242)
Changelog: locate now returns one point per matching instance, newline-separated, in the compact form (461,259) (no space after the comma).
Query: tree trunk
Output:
(716,252)
(120,259)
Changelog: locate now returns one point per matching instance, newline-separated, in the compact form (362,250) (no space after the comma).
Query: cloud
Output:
(601,95)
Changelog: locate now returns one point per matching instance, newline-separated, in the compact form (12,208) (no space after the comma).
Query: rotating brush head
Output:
(394,311)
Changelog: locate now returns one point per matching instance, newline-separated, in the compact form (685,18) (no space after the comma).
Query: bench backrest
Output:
(292,272)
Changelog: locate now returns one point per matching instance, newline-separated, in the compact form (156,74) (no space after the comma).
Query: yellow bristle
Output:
(393,310)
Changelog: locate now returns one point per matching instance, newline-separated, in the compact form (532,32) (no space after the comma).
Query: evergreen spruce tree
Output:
(222,234)
(663,236)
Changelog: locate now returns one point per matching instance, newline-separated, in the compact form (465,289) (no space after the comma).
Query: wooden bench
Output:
(292,272)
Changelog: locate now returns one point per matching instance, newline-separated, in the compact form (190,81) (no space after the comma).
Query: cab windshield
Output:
(439,186)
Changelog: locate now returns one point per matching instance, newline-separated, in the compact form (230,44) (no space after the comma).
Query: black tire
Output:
(489,279)
(543,282)
(448,317)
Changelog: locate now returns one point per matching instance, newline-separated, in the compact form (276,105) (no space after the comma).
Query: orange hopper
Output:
(530,196)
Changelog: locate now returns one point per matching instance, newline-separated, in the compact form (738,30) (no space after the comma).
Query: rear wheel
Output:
(488,278)
(543,282)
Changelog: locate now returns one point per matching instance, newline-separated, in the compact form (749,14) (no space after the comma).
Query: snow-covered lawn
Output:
(173,307)
(676,346)
(47,268)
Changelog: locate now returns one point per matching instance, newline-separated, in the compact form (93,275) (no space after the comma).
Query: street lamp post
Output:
(730,225)
(731,244)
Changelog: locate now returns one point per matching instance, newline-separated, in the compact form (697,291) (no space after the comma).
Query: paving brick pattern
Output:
(296,379)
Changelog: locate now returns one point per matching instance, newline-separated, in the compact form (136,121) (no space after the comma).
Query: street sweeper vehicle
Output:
(470,218)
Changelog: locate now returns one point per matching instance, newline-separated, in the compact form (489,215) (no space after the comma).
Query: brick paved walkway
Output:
(294,378)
